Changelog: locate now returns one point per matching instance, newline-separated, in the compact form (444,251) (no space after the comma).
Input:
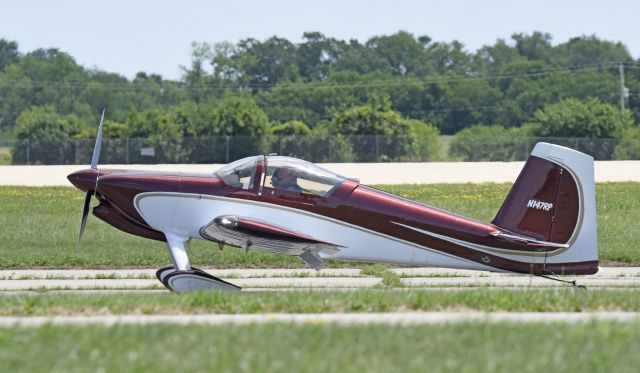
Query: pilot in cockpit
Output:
(232,180)
(286,179)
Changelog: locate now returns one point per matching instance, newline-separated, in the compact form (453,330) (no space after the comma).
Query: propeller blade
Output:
(85,213)
(94,165)
(97,146)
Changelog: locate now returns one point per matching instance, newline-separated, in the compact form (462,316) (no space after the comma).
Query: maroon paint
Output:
(111,216)
(84,179)
(369,208)
(270,229)
(120,189)
(566,209)
(543,181)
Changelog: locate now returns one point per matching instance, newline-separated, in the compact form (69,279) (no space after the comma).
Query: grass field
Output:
(39,226)
(466,347)
(485,300)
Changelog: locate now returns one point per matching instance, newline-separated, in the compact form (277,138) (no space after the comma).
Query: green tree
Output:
(590,51)
(629,146)
(492,59)
(449,58)
(58,79)
(292,127)
(536,46)
(43,137)
(402,52)
(236,116)
(376,131)
(528,94)
(154,129)
(375,118)
(460,104)
(489,143)
(571,117)
(233,129)
(316,55)
(361,59)
(427,140)
(294,139)
(257,65)
(196,77)
(592,119)
(15,95)
(8,53)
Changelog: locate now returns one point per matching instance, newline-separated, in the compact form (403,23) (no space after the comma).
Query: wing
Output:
(260,235)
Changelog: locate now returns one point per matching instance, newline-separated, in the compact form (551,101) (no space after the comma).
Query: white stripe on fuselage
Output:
(184,214)
(523,256)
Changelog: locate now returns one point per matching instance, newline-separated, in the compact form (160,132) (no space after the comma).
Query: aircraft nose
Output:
(84,179)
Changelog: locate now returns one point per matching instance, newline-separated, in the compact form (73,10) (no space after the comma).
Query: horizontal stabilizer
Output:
(530,242)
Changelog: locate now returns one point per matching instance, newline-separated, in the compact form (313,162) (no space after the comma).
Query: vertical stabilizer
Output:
(553,200)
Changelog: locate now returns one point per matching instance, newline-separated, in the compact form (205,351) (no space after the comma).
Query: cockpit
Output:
(286,174)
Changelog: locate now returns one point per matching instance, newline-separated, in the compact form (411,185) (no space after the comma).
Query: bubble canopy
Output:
(244,172)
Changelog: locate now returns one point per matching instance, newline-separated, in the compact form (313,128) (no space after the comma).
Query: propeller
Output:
(94,165)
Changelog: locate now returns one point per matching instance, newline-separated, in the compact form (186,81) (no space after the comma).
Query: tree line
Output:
(392,86)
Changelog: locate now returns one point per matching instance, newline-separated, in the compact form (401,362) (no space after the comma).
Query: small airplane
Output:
(546,226)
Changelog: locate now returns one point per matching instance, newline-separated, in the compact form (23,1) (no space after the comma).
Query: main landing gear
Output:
(187,278)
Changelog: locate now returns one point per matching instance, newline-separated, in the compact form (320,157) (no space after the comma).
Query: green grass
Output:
(466,347)
(369,300)
(5,155)
(39,227)
(389,279)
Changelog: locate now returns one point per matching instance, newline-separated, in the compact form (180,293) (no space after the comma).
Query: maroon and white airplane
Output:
(546,226)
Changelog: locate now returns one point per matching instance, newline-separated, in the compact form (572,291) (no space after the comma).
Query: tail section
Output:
(553,200)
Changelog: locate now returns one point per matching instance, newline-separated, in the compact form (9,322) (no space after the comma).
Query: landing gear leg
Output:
(181,277)
(178,252)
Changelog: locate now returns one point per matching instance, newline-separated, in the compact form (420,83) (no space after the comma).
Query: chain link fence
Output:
(312,148)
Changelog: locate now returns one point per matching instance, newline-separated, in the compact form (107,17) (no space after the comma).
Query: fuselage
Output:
(368,224)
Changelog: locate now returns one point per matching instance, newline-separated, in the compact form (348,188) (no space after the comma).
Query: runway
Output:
(304,279)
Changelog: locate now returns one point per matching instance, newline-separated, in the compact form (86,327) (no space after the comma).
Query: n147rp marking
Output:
(539,205)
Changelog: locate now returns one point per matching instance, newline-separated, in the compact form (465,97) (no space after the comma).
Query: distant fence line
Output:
(373,148)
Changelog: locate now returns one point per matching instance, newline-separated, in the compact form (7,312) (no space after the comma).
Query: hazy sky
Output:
(127,36)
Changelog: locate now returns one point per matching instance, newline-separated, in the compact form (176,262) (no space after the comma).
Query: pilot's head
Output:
(284,176)
(232,179)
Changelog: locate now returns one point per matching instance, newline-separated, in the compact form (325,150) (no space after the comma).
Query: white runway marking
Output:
(287,279)
(317,283)
(401,318)
(274,279)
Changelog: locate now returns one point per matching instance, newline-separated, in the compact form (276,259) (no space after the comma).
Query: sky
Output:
(155,36)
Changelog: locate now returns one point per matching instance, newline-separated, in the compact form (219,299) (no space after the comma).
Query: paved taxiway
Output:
(304,279)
